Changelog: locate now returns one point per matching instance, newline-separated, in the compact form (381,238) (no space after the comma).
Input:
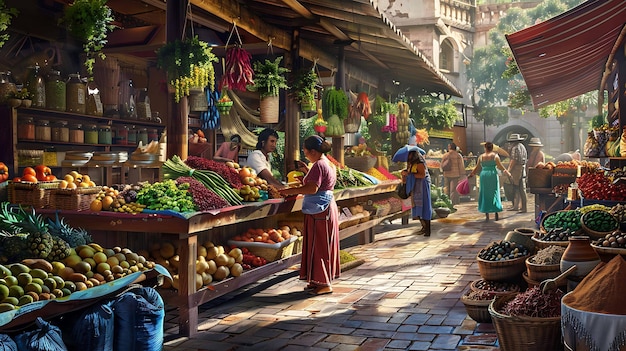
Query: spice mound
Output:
(534,303)
(602,290)
(548,256)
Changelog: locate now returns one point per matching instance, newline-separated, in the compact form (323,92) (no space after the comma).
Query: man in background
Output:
(517,168)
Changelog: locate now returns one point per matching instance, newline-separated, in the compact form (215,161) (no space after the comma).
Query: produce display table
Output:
(186,229)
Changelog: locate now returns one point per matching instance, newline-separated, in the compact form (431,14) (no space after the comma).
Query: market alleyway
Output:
(404,296)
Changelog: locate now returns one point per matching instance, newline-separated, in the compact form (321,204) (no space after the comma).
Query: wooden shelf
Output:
(61,115)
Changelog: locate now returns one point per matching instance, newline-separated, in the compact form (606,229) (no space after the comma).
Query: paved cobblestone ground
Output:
(405,296)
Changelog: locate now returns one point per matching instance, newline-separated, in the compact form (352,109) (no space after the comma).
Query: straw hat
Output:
(535,142)
(515,137)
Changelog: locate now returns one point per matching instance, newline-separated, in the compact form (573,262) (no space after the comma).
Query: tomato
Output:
(29,170)
(51,177)
(17,179)
(29,178)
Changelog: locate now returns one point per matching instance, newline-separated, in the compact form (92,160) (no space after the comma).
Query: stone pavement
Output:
(404,296)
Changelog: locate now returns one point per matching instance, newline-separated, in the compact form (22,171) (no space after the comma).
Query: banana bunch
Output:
(403,134)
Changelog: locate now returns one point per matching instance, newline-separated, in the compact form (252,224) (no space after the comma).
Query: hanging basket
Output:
(198,102)
(270,109)
(307,106)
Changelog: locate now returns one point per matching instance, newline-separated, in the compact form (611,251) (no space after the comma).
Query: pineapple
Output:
(39,239)
(14,247)
(60,249)
(73,236)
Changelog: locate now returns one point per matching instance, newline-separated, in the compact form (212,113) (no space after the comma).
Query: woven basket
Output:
(501,270)
(4,191)
(540,272)
(524,333)
(360,163)
(595,234)
(477,310)
(269,109)
(541,244)
(78,199)
(36,195)
(542,227)
(514,288)
(297,245)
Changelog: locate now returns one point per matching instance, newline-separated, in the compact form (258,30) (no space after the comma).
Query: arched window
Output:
(446,56)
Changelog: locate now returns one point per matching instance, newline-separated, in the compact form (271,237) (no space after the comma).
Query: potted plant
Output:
(25,96)
(6,15)
(269,78)
(304,89)
(90,21)
(188,63)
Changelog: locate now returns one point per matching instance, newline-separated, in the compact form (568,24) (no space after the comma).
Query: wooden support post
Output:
(292,116)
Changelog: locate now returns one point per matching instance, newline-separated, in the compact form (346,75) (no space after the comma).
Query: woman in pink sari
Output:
(320,251)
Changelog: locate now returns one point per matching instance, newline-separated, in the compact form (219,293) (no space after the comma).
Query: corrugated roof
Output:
(565,56)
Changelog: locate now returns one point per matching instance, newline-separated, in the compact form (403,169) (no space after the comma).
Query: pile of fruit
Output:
(213,262)
(503,250)
(41,173)
(598,186)
(566,220)
(45,259)
(267,236)
(75,180)
(600,221)
(557,234)
(113,199)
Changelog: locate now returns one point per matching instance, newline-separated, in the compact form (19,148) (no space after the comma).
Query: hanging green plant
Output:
(188,63)
(335,102)
(436,114)
(269,77)
(6,15)
(90,21)
(304,86)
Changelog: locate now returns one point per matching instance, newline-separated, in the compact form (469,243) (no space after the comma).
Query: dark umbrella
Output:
(402,154)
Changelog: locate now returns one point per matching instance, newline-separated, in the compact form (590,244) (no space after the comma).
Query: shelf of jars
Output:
(40,113)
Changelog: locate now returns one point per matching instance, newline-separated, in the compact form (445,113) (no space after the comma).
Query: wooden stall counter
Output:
(119,229)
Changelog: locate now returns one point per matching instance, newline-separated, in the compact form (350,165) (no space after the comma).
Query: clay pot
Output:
(580,253)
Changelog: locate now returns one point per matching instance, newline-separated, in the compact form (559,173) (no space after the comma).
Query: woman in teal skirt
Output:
(489,193)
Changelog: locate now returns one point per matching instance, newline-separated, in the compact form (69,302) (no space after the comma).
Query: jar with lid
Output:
(76,94)
(7,87)
(26,131)
(142,136)
(77,134)
(43,132)
(94,105)
(121,137)
(153,134)
(91,134)
(36,85)
(132,135)
(60,132)
(143,105)
(104,135)
(55,92)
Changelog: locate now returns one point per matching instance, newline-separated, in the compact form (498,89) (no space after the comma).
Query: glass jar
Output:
(143,105)
(142,136)
(43,132)
(36,85)
(55,92)
(77,134)
(26,131)
(6,87)
(76,96)
(121,137)
(60,132)
(104,135)
(94,105)
(153,134)
(132,135)
(91,134)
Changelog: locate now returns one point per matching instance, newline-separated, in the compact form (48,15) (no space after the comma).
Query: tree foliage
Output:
(493,72)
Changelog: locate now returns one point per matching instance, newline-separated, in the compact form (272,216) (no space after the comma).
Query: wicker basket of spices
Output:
(521,333)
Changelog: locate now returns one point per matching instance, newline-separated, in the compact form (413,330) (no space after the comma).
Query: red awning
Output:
(565,56)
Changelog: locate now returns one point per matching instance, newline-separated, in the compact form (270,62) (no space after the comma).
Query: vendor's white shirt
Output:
(257,161)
